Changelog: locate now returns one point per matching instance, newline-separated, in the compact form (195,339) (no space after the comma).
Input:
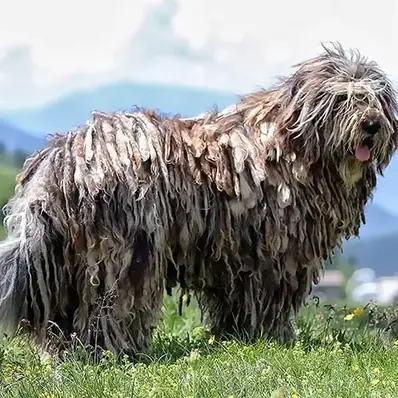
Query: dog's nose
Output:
(371,126)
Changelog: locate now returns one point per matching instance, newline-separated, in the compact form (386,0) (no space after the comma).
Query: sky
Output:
(51,48)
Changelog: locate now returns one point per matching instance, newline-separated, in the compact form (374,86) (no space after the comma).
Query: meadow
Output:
(341,351)
(8,172)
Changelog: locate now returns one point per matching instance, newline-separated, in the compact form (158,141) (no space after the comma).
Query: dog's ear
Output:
(390,108)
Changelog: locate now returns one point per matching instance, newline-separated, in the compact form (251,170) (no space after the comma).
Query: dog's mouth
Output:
(363,150)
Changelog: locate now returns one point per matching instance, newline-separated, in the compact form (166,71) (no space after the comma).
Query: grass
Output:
(7,186)
(340,352)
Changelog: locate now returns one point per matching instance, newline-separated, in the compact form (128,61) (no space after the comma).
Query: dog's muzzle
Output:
(370,126)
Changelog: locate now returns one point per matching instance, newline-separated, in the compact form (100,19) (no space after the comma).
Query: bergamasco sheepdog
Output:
(240,207)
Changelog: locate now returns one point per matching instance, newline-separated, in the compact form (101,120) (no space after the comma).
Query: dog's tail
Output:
(13,289)
(29,274)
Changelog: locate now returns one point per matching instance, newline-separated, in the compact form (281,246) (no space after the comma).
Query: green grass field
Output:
(7,186)
(340,352)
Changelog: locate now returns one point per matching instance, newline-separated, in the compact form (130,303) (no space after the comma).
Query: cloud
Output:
(71,36)
(70,43)
(157,52)
(56,47)
(16,74)
(260,38)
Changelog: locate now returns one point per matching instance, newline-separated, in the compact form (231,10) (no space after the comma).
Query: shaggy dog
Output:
(240,207)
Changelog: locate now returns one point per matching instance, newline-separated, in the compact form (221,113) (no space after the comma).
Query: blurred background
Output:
(61,60)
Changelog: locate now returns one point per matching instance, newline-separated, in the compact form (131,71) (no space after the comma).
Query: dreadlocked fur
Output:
(241,207)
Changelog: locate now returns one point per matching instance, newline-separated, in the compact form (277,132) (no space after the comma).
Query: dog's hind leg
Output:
(107,296)
(120,297)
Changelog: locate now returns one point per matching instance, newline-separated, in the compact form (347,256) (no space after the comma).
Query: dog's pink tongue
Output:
(362,153)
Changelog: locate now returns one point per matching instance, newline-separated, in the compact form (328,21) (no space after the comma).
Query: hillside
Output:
(15,138)
(72,110)
(7,184)
(378,253)
(387,187)
(379,223)
(376,246)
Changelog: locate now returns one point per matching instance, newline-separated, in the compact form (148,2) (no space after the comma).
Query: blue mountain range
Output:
(74,109)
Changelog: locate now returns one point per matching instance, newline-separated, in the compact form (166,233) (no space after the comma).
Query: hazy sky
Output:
(48,48)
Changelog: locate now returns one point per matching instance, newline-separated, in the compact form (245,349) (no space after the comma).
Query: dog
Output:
(240,207)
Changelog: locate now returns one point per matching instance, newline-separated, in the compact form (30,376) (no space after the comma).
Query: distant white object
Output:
(365,292)
(363,275)
(364,287)
(387,290)
(330,285)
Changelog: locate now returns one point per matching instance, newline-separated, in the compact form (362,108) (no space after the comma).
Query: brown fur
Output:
(241,207)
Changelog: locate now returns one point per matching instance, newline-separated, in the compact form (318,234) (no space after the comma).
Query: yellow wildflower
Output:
(376,370)
(359,311)
(279,393)
(349,317)
(212,340)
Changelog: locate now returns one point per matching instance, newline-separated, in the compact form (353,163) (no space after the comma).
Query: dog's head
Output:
(340,107)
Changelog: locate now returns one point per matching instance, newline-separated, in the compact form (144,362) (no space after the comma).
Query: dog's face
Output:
(342,108)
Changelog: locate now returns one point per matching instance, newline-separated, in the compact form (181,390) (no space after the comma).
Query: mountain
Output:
(74,109)
(16,138)
(376,246)
(379,223)
(379,253)
(387,188)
